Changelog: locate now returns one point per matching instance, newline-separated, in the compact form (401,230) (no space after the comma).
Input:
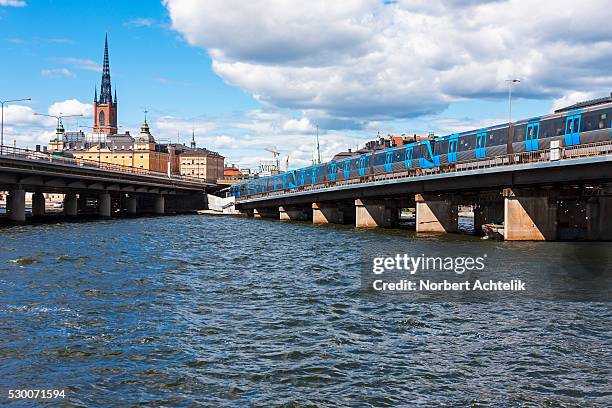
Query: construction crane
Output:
(275,154)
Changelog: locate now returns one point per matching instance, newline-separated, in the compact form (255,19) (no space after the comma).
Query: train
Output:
(579,124)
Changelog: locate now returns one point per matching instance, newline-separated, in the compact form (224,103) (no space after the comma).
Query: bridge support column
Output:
(38,204)
(70,205)
(599,216)
(330,213)
(529,216)
(104,205)
(265,213)
(292,214)
(16,205)
(159,204)
(131,205)
(375,213)
(435,213)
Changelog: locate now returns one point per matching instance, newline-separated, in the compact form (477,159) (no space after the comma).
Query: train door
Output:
(408,157)
(333,167)
(481,145)
(362,165)
(532,134)
(347,168)
(572,129)
(389,161)
(313,177)
(453,141)
(302,178)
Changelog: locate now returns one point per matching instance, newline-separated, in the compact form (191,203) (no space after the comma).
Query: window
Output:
(101,118)
(122,147)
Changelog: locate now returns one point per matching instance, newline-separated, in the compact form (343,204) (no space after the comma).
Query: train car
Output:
(577,125)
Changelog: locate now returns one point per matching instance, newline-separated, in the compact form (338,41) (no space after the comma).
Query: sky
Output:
(244,76)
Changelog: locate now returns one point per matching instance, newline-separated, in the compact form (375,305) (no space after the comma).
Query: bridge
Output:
(549,194)
(92,186)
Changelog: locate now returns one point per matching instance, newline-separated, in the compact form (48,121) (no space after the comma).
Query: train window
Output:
(602,120)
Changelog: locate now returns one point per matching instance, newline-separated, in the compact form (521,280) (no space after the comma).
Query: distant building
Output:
(268,168)
(382,143)
(201,163)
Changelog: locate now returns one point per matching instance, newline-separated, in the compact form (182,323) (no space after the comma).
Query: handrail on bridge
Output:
(377,173)
(26,154)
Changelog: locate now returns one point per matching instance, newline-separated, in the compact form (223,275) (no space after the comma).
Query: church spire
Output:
(105,87)
(193,143)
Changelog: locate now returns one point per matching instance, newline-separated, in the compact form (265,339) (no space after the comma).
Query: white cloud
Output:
(139,22)
(363,60)
(57,73)
(302,125)
(71,107)
(12,3)
(80,63)
(572,98)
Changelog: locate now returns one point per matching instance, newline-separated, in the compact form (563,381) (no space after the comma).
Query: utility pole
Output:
(318,148)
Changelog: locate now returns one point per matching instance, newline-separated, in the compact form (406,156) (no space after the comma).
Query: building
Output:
(107,145)
(105,108)
(201,163)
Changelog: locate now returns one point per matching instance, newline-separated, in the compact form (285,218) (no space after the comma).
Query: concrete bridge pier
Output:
(375,213)
(331,213)
(529,215)
(104,205)
(15,204)
(38,204)
(266,213)
(436,213)
(131,205)
(159,204)
(287,213)
(70,205)
(599,215)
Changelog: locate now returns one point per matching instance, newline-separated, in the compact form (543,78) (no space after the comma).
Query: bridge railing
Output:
(377,173)
(26,154)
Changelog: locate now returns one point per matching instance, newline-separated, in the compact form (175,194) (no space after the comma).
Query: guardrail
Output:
(26,154)
(377,173)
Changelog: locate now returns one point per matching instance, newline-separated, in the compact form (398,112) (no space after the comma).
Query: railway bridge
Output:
(549,194)
(93,187)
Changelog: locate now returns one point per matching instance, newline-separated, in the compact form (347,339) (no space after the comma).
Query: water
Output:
(193,310)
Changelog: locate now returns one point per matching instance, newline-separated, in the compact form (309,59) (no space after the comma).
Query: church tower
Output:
(105,108)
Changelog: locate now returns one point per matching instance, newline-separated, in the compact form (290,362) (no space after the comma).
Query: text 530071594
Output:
(36,394)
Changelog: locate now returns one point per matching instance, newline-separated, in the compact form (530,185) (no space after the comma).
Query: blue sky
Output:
(263,73)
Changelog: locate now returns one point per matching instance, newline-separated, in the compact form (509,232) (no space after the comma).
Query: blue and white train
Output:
(585,123)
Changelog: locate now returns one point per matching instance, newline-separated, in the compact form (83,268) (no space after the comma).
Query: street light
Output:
(2,122)
(510,83)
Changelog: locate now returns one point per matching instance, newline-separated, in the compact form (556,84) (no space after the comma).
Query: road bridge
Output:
(93,186)
(558,193)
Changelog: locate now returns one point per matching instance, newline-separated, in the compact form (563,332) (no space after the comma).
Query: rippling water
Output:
(215,311)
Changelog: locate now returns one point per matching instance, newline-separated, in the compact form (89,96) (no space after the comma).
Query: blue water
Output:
(212,311)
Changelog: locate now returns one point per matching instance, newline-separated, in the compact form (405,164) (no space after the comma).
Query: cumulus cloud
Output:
(364,60)
(71,107)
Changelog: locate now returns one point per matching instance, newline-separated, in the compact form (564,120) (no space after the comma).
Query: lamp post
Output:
(510,83)
(2,121)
